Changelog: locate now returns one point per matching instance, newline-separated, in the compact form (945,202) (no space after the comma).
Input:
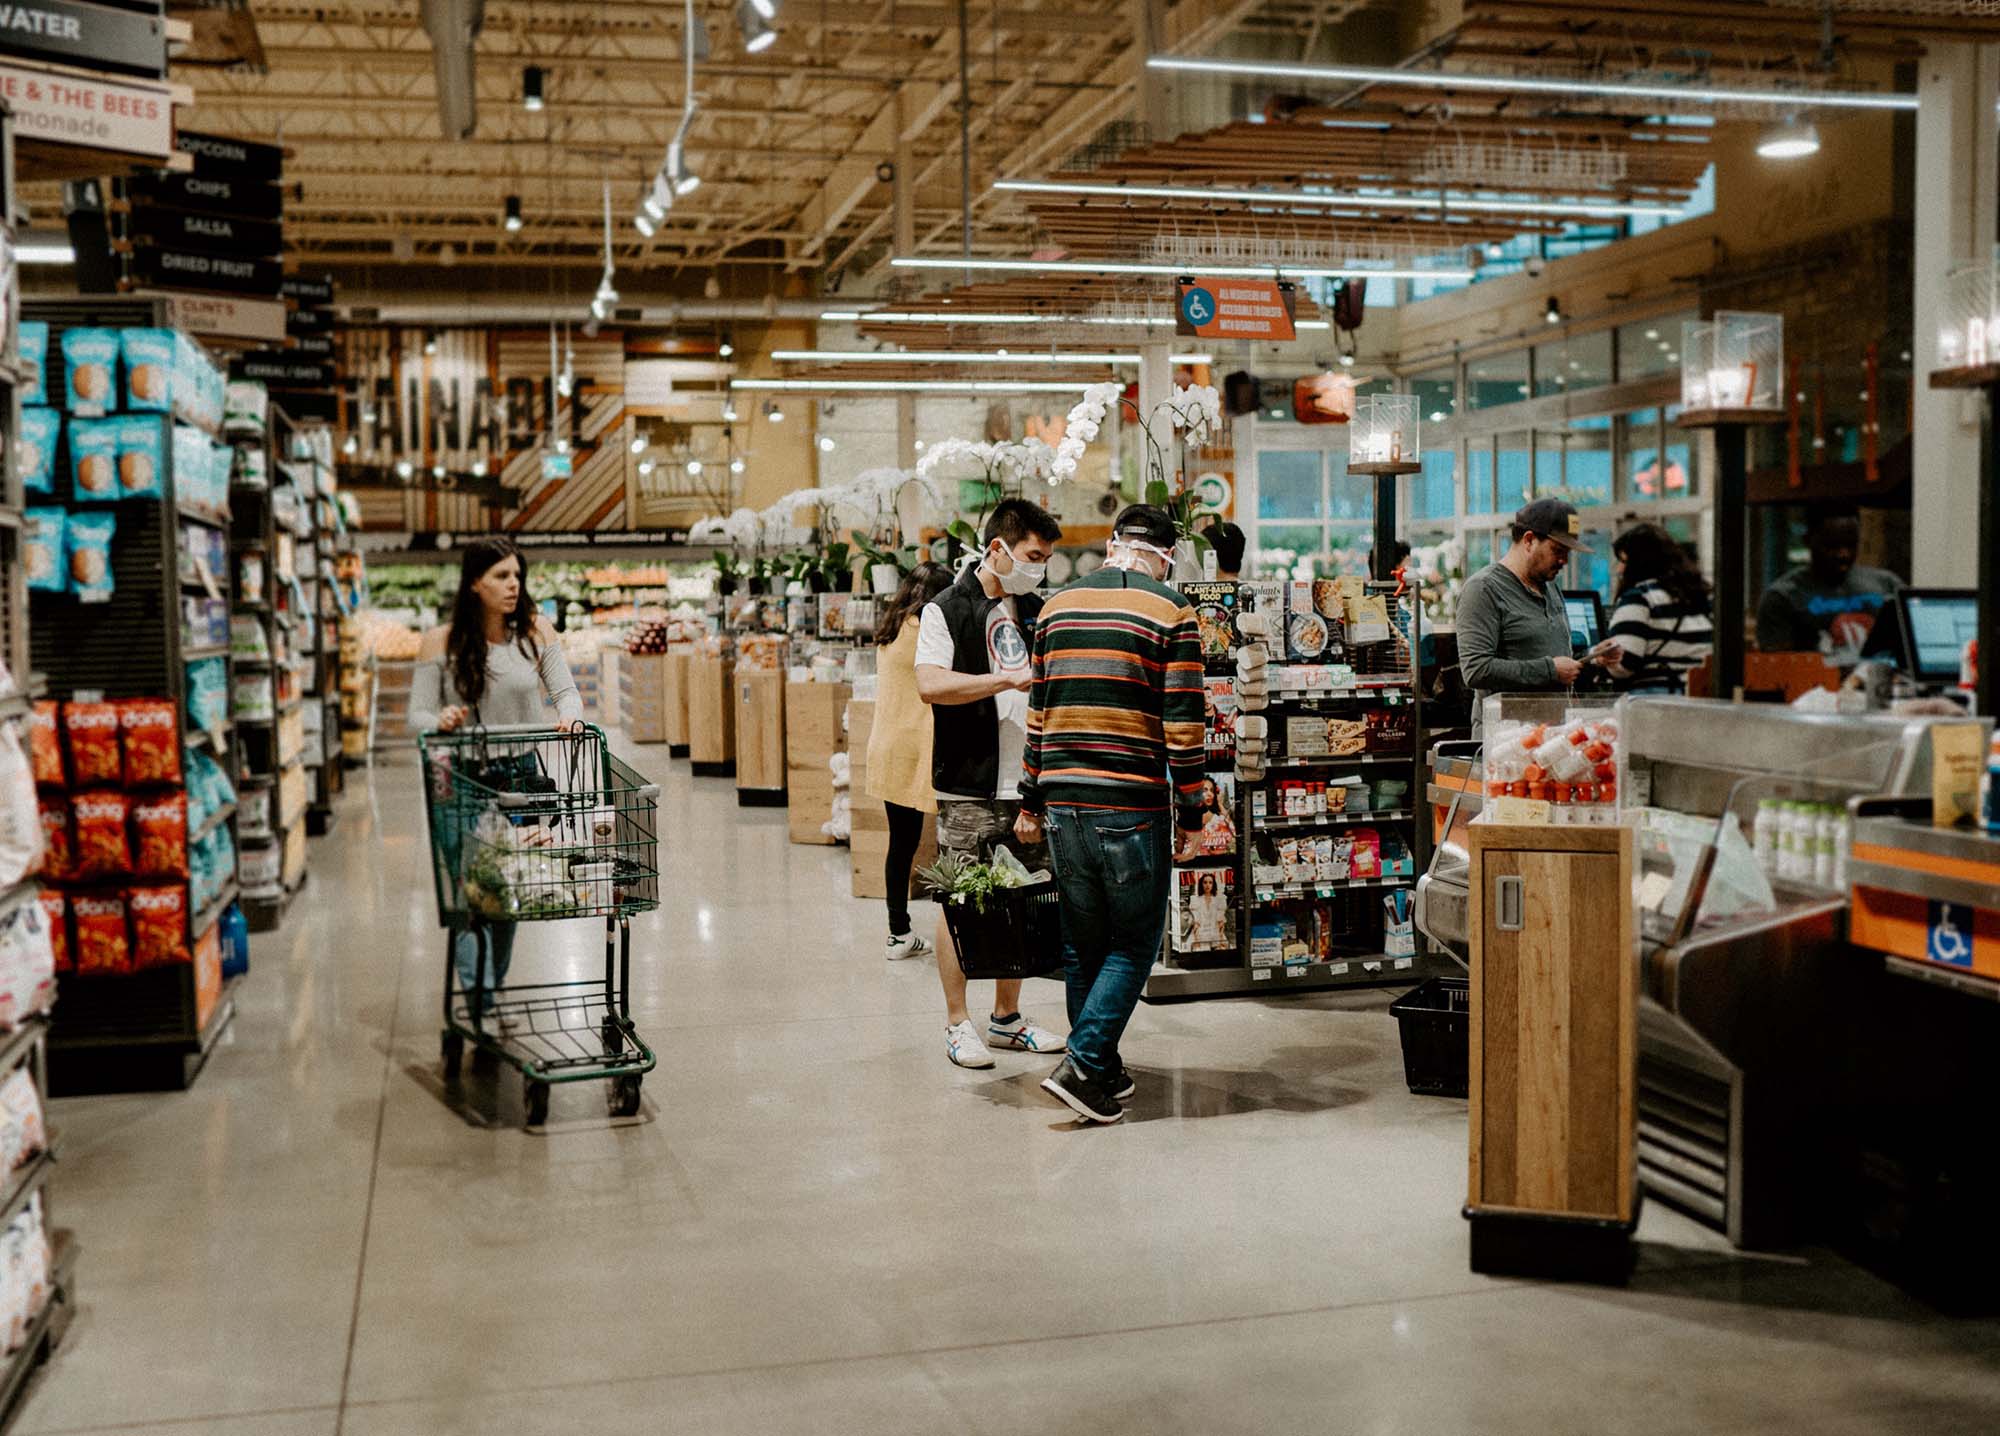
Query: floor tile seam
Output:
(920,1354)
(152,1423)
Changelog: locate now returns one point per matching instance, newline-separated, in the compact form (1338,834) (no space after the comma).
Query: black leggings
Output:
(906,831)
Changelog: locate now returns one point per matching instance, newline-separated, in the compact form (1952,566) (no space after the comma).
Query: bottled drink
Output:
(1824,823)
(1764,836)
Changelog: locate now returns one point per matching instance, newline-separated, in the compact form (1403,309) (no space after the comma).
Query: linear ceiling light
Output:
(1594,208)
(1146,321)
(949,356)
(908,386)
(46,251)
(1220,271)
(1538,84)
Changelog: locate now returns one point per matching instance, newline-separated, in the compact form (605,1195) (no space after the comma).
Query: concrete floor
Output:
(817,1225)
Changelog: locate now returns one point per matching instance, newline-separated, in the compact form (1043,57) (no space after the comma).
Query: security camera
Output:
(1534,264)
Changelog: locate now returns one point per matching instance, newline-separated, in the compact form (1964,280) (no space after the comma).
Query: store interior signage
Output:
(95,37)
(279,368)
(95,114)
(206,233)
(222,156)
(225,316)
(180,269)
(210,194)
(308,321)
(308,291)
(1220,308)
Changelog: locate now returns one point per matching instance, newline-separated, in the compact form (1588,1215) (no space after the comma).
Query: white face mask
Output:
(1023,577)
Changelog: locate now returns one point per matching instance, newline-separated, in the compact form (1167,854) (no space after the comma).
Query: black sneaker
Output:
(1089,1099)
(1121,1083)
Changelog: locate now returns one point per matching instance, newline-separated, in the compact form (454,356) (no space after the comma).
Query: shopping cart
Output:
(539,825)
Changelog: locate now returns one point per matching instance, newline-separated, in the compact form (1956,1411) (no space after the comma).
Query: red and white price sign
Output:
(63,109)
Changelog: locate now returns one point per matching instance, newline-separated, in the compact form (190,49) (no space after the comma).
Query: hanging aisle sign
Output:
(96,114)
(225,157)
(209,194)
(179,269)
(206,233)
(222,316)
(95,37)
(1233,309)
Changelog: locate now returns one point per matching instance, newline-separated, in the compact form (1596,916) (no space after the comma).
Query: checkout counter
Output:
(1794,1084)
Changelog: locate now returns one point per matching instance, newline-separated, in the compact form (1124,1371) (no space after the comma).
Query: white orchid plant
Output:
(1187,419)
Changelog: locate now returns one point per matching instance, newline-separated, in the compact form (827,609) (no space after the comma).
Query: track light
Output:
(825,444)
(694,468)
(645,467)
(1552,312)
(639,443)
(437,471)
(1792,140)
(754,22)
(430,344)
(682,179)
(531,87)
(643,222)
(735,466)
(513,219)
(767,9)
(352,446)
(726,349)
(773,412)
(562,446)
(728,413)
(479,468)
(405,469)
(657,199)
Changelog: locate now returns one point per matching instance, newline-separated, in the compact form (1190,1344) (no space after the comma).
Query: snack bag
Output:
(142,457)
(55,908)
(89,543)
(22,1134)
(152,737)
(101,942)
(93,458)
(103,848)
(44,550)
(90,357)
(160,827)
(45,745)
(159,924)
(35,359)
(149,369)
(27,965)
(35,451)
(58,847)
(92,729)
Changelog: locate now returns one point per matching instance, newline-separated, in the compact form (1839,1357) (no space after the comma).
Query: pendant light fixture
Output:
(512,222)
(754,22)
(1794,139)
(606,298)
(531,88)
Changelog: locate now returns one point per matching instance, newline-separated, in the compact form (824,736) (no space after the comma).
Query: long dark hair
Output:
(465,648)
(922,584)
(1652,554)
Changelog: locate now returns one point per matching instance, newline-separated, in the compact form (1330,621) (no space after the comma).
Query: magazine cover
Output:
(1219,707)
(1215,608)
(1218,816)
(1205,910)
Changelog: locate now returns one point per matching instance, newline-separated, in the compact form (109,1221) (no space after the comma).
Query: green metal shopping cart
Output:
(535,824)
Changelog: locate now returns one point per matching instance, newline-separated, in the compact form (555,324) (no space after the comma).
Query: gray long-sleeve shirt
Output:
(517,691)
(1509,636)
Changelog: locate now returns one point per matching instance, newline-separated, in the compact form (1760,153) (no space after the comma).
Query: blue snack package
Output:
(142,457)
(93,459)
(43,549)
(149,369)
(35,359)
(41,430)
(90,365)
(89,540)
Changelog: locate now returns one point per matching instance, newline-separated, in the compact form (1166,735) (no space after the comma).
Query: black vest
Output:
(965,747)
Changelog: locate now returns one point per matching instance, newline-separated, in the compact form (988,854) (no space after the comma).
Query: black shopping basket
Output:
(1018,933)
(1436,1021)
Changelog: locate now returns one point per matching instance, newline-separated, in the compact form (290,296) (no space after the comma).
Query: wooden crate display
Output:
(815,730)
(642,684)
(760,732)
(679,661)
(711,711)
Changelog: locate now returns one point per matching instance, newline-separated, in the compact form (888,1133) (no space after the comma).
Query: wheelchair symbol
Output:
(1950,940)
(1198,305)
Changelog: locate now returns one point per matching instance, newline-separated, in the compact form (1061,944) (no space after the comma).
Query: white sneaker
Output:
(908,945)
(962,1045)
(1024,1036)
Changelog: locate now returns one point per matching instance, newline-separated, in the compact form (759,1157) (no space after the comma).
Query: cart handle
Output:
(518,729)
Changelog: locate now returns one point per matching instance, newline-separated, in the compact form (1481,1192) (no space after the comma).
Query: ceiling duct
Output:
(454,26)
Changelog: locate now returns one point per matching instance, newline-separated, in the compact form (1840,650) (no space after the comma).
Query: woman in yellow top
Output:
(899,747)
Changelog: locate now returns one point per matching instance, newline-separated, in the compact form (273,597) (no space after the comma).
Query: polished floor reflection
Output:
(817,1225)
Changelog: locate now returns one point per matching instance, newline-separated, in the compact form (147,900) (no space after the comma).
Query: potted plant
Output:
(728,572)
(836,562)
(886,566)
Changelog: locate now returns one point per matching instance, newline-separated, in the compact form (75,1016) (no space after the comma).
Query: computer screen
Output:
(1939,622)
(1586,618)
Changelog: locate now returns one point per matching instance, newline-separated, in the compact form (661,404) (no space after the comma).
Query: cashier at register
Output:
(1513,632)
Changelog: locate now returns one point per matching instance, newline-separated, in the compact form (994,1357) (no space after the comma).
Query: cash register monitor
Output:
(1937,623)
(1586,618)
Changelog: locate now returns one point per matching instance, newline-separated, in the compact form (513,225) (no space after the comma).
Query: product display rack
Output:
(271,522)
(152,1028)
(309,464)
(1384,676)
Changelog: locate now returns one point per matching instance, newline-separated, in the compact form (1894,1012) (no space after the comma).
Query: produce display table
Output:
(815,730)
(711,710)
(679,661)
(760,737)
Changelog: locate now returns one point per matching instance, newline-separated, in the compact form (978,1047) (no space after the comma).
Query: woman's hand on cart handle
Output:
(453,718)
(574,726)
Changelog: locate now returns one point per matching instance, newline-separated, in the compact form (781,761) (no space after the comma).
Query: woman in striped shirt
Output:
(1660,627)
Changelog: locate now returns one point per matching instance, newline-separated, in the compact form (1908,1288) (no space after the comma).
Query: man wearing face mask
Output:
(973,671)
(1113,768)
(1513,632)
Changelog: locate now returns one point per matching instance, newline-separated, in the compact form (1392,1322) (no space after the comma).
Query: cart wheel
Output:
(625,1095)
(614,1037)
(538,1103)
(452,1047)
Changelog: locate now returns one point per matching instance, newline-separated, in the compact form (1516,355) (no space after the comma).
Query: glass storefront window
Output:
(1641,446)
(1587,461)
(1479,476)
(1651,347)
(1428,494)
(1437,394)
(1288,485)
(1501,379)
(1683,463)
(1281,546)
(1350,496)
(1567,365)
(1511,473)
(1549,463)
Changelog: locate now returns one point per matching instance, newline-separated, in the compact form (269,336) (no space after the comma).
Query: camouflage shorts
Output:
(974,826)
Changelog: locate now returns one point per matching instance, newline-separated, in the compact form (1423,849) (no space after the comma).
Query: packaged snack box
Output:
(149,369)
(35,359)
(89,541)
(93,459)
(41,429)
(90,359)
(142,457)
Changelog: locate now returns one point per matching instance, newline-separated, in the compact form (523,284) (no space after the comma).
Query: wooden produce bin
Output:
(642,683)
(760,738)
(868,849)
(1554,1061)
(711,707)
(679,662)
(815,730)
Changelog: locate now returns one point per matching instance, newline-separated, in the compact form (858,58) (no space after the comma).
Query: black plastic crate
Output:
(1436,1021)
(1018,935)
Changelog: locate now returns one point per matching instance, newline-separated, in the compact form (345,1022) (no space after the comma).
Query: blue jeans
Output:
(499,956)
(1112,869)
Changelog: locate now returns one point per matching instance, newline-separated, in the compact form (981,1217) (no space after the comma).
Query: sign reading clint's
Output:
(92,37)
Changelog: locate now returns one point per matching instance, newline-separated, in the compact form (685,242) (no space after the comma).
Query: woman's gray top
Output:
(515,689)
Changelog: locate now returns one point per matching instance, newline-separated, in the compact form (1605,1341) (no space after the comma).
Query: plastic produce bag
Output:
(1011,872)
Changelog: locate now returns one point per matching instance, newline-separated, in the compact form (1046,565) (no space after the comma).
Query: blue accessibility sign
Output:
(1949,939)
(1197,306)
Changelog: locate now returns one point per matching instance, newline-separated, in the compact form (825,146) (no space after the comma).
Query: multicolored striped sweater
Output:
(1115,714)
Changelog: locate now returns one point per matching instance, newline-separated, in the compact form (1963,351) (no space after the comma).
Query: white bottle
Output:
(1843,842)
(1764,837)
(1823,825)
(1794,863)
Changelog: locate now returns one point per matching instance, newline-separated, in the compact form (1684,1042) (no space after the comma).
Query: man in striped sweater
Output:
(1112,770)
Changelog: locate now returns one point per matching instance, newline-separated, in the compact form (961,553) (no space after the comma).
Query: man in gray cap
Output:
(1513,633)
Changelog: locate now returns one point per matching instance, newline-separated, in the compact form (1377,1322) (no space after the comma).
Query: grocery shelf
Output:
(26,1180)
(212,517)
(1332,820)
(1349,760)
(215,820)
(1371,970)
(46,1331)
(16,705)
(18,1043)
(212,650)
(202,921)
(1267,892)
